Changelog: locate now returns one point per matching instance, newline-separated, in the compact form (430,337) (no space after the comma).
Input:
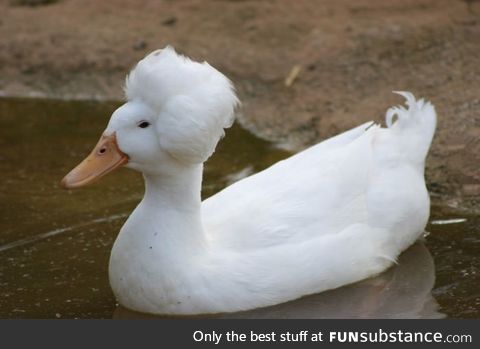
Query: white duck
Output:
(338,212)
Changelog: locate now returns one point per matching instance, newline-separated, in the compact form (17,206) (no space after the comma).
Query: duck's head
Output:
(175,114)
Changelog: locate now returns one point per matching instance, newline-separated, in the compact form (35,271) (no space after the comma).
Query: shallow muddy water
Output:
(55,244)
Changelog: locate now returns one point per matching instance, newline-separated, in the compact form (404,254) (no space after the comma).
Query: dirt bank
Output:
(348,56)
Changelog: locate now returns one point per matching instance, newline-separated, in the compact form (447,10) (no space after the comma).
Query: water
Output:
(55,244)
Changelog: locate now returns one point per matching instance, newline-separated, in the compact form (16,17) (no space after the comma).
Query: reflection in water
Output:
(55,244)
(403,291)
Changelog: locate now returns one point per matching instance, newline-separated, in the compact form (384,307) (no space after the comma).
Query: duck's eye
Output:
(144,124)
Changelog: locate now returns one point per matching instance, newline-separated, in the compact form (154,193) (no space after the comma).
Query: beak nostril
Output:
(105,157)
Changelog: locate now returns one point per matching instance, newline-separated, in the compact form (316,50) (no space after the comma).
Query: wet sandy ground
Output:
(305,70)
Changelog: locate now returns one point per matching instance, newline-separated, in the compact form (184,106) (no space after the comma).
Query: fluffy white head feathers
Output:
(194,102)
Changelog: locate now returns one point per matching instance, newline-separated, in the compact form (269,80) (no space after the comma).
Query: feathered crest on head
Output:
(164,73)
(194,101)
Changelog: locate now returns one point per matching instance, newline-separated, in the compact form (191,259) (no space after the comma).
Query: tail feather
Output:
(417,123)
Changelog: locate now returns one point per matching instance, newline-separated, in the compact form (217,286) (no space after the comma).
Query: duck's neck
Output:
(179,191)
(173,204)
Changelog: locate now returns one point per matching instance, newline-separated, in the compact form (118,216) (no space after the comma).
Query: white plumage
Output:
(196,102)
(338,212)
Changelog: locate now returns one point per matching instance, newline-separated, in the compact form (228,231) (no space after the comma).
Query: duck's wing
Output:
(316,192)
(369,175)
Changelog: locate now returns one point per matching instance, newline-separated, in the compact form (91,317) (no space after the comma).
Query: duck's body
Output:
(336,213)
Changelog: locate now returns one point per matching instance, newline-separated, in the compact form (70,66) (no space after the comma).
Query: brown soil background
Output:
(351,55)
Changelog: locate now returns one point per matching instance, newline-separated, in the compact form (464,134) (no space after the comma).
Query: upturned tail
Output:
(414,126)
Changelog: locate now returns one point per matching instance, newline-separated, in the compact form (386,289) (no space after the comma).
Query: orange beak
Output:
(104,158)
